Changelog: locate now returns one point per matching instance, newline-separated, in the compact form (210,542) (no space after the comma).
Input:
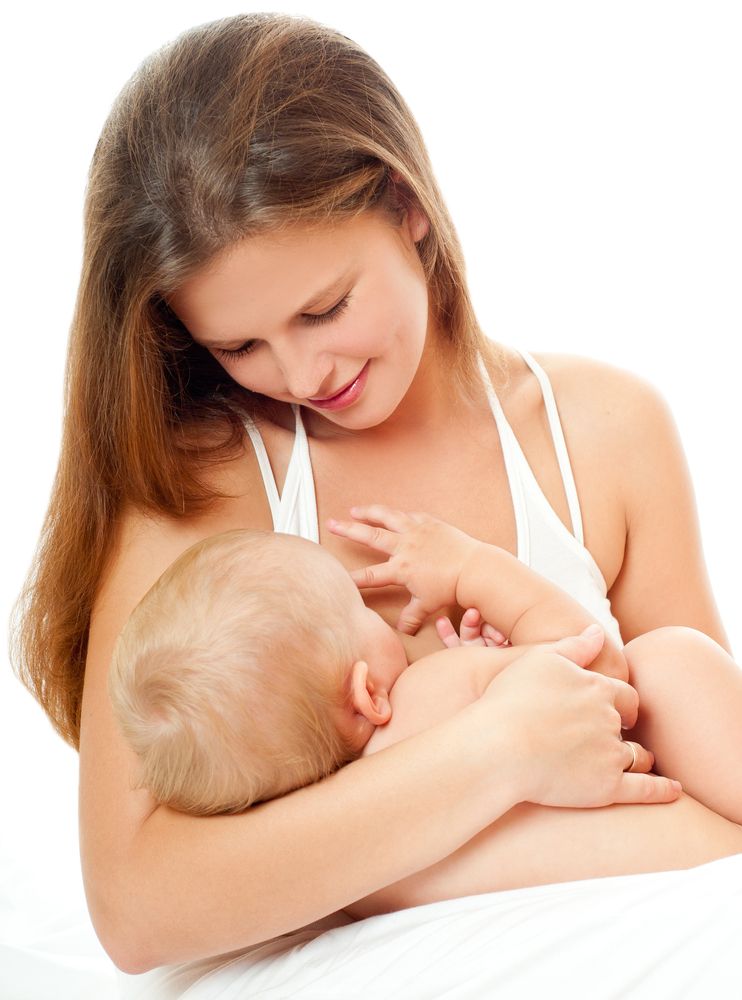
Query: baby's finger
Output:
(379,513)
(411,617)
(379,575)
(447,633)
(490,632)
(375,537)
(471,625)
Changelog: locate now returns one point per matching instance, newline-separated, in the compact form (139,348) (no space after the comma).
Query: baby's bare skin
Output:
(535,845)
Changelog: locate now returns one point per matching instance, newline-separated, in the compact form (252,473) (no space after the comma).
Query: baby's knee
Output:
(669,647)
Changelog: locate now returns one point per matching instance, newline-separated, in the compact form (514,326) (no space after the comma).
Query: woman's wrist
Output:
(488,764)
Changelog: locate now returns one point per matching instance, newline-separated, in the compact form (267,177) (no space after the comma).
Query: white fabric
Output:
(543,542)
(294,512)
(48,949)
(656,936)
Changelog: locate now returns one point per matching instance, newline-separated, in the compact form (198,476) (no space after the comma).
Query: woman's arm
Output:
(663,579)
(164,887)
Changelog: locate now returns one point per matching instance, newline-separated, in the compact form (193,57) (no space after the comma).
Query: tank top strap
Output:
(510,452)
(298,490)
(269,480)
(560,446)
(294,511)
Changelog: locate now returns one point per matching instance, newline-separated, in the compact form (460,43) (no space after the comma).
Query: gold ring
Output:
(634,755)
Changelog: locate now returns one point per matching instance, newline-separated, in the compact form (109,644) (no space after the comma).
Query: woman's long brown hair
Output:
(238,127)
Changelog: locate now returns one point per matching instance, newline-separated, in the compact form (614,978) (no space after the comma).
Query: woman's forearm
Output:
(536,845)
(177,888)
(188,887)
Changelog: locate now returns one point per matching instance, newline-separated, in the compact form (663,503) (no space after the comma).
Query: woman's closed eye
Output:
(249,346)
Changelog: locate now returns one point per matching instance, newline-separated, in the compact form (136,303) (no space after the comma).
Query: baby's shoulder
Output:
(449,677)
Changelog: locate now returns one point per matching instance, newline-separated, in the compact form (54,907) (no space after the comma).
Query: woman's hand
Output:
(564,725)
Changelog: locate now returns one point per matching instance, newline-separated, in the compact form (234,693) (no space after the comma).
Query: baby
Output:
(253,667)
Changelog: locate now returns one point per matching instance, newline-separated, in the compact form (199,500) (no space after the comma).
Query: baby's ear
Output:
(368,700)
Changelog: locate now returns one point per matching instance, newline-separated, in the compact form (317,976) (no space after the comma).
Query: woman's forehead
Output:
(289,272)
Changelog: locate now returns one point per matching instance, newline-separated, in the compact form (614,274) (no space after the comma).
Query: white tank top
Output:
(543,542)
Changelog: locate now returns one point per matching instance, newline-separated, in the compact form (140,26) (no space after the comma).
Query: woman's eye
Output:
(249,346)
(246,348)
(330,314)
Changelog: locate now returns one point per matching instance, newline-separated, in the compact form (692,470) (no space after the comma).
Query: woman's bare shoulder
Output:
(590,375)
(618,398)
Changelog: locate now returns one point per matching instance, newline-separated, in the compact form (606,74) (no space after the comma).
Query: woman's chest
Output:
(459,474)
(460,480)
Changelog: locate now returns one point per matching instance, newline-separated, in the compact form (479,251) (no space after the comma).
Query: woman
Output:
(242,171)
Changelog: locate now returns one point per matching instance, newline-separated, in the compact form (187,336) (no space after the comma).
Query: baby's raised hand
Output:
(472,631)
(425,556)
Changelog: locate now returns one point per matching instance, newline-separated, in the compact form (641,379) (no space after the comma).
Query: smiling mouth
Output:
(345,396)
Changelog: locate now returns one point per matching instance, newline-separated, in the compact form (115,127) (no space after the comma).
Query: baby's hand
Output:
(472,631)
(425,556)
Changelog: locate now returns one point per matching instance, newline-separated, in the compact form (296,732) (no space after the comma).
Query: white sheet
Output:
(659,936)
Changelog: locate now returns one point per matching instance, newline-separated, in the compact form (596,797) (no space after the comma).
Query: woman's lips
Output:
(347,396)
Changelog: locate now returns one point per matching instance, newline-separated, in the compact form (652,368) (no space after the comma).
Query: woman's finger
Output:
(647,788)
(625,700)
(640,761)
(376,538)
(581,649)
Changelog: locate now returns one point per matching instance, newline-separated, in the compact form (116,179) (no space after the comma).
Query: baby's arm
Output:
(440,565)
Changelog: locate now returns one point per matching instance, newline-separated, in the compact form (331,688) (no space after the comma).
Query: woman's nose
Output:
(307,374)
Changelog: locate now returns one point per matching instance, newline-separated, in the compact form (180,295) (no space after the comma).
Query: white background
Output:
(591,155)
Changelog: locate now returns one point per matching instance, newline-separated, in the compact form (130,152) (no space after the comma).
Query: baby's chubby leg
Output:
(690,713)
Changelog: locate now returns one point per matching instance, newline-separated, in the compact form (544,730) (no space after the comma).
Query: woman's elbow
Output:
(126,933)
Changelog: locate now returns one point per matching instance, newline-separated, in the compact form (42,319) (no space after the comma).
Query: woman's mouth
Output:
(347,395)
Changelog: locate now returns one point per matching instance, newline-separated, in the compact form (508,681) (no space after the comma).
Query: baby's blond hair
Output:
(225,677)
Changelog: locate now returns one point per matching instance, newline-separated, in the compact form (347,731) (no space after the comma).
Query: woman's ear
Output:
(416,220)
(369,700)
(418,223)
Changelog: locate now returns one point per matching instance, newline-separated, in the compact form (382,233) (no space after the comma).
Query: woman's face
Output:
(334,318)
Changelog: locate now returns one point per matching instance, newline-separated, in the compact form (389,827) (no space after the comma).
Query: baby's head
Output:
(252,667)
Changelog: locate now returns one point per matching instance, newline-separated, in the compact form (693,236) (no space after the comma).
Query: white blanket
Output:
(656,936)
